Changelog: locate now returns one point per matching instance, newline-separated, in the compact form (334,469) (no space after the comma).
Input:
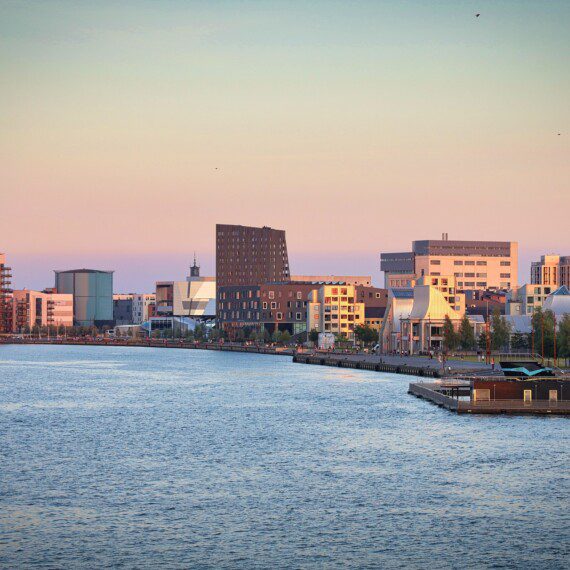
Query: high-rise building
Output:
(5,296)
(552,270)
(92,291)
(249,256)
(476,265)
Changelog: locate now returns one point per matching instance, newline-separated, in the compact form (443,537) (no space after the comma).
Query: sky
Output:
(129,129)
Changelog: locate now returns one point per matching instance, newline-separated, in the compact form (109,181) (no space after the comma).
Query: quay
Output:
(457,396)
(374,364)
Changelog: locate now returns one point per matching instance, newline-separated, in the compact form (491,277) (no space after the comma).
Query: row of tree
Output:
(540,341)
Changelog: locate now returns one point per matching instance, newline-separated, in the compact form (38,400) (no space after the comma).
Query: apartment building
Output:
(335,309)
(41,308)
(526,299)
(5,296)
(476,265)
(250,256)
(143,304)
(551,270)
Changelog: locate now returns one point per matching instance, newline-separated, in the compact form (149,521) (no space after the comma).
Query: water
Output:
(137,457)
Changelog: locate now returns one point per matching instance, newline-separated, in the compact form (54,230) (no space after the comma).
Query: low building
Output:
(558,302)
(42,309)
(415,317)
(143,304)
(194,298)
(526,299)
(335,309)
(123,309)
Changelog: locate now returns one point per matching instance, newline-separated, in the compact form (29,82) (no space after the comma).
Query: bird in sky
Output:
(477,15)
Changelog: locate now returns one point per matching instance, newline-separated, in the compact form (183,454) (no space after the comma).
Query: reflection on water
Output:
(147,457)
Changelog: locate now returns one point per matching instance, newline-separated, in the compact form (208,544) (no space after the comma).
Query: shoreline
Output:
(357,362)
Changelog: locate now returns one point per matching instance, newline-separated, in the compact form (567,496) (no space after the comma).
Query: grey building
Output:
(123,309)
(92,292)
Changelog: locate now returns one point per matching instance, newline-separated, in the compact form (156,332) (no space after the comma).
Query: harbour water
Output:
(141,457)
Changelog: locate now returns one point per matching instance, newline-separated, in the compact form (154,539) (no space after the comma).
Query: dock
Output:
(341,361)
(452,395)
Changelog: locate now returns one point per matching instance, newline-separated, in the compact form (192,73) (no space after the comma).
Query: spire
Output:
(195,269)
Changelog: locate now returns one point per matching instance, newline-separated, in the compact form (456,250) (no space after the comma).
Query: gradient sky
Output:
(128,129)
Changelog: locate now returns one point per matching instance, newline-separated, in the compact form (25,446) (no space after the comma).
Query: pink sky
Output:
(128,132)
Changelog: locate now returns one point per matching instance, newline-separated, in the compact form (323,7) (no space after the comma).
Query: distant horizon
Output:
(137,273)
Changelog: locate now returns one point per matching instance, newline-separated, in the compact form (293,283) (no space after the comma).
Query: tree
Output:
(543,327)
(314,336)
(519,341)
(563,340)
(365,334)
(450,337)
(500,331)
(239,335)
(276,336)
(466,334)
(285,337)
(482,341)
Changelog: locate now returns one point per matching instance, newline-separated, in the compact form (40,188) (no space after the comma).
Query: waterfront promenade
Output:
(389,363)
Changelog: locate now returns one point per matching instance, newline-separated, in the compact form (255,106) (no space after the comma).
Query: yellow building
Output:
(333,308)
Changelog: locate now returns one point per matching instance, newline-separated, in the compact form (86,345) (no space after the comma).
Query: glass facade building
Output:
(92,292)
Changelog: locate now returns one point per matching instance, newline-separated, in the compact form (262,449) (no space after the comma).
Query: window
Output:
(458,274)
(298,316)
(299,295)
(435,262)
(272,294)
(279,316)
(470,275)
(264,306)
(481,275)
(458,262)
(505,275)
(469,263)
(481,263)
(505,263)
(273,305)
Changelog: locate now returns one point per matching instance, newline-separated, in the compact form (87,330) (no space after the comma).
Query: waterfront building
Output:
(196,298)
(41,308)
(248,256)
(476,265)
(143,304)
(284,306)
(5,296)
(551,270)
(123,309)
(361,280)
(415,316)
(335,309)
(92,291)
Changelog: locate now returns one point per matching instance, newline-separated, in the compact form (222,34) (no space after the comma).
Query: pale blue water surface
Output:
(139,458)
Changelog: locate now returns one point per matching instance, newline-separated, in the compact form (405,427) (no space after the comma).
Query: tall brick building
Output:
(249,256)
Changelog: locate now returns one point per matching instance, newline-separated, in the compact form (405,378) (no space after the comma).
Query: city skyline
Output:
(131,130)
